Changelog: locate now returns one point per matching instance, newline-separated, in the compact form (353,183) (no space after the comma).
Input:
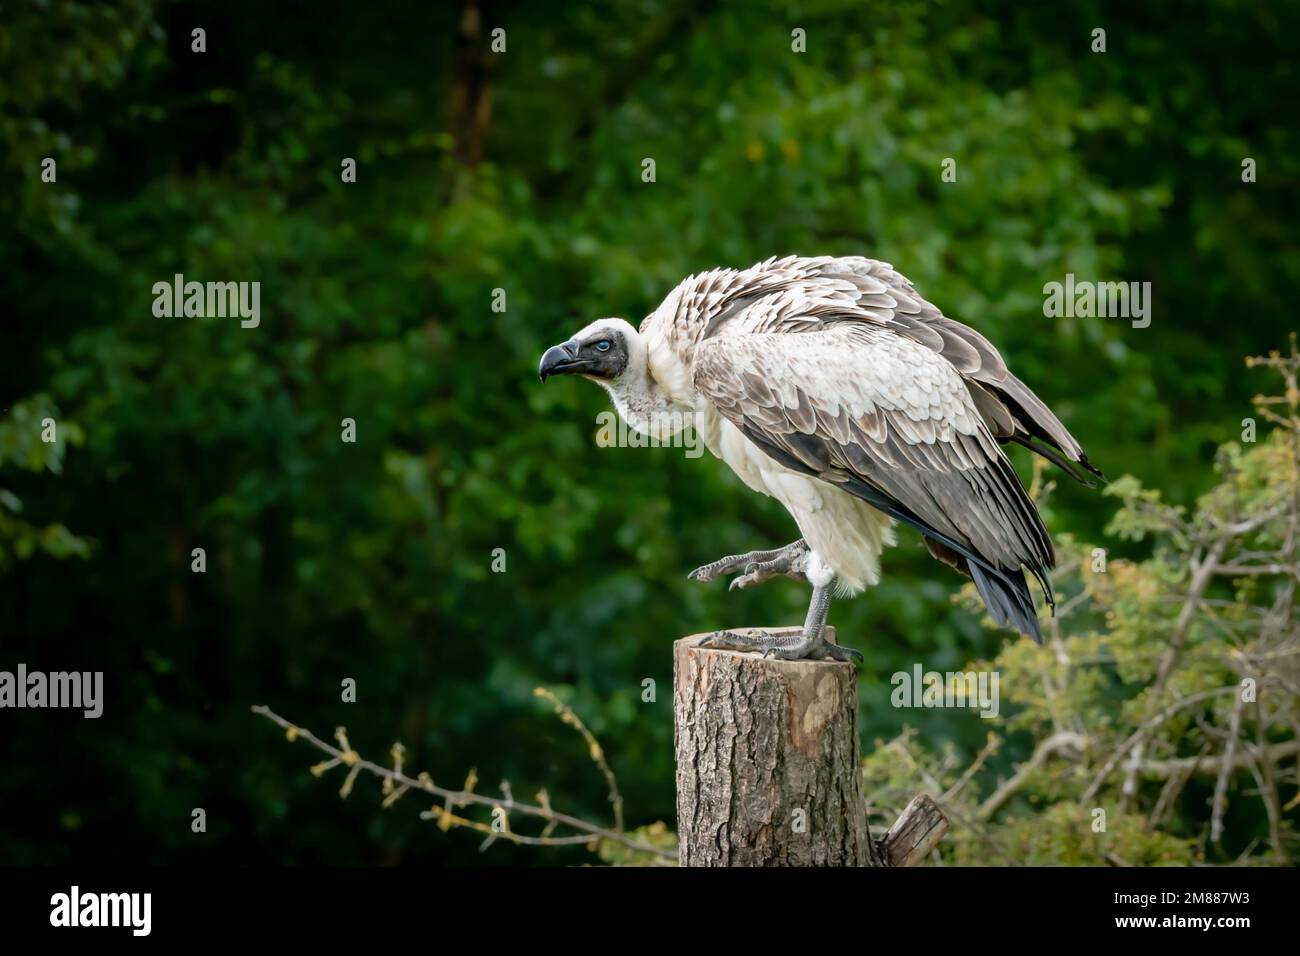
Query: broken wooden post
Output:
(915,833)
(768,768)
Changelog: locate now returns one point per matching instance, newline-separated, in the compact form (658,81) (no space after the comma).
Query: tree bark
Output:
(768,769)
(469,109)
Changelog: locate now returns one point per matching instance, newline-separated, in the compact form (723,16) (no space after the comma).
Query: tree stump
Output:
(768,769)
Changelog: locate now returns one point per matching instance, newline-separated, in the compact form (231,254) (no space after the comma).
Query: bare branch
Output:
(1145,729)
(1044,750)
(587,832)
(1221,784)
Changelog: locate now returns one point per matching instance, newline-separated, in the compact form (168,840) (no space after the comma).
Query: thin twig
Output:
(466,796)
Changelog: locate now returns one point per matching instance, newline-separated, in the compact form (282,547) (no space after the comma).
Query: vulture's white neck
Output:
(641,401)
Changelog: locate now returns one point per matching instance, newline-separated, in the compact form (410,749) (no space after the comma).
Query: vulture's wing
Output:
(1010,409)
(893,423)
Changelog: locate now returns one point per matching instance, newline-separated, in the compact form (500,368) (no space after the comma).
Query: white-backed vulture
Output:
(831,385)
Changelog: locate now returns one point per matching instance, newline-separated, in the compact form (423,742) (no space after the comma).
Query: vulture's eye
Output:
(602,345)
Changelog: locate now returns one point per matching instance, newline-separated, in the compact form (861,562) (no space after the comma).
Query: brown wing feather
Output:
(925,449)
(977,360)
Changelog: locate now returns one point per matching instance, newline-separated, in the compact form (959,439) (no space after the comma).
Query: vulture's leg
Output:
(812,642)
(790,561)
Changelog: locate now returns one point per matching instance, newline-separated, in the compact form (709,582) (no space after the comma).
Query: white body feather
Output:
(846,534)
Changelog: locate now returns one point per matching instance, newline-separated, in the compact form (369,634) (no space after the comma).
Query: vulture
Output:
(832,386)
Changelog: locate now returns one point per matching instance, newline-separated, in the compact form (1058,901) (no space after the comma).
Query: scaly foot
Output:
(758,566)
(786,647)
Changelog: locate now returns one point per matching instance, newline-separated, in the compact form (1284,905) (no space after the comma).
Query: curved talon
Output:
(848,655)
(751,576)
(707,572)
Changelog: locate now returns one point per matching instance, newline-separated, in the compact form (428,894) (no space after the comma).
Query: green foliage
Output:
(372,560)
(23,446)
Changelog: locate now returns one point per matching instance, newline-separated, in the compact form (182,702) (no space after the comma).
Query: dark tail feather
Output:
(1058,459)
(1006,595)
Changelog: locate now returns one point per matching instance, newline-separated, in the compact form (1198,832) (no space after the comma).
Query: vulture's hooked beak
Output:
(560,359)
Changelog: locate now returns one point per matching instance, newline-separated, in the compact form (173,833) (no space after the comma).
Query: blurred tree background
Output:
(521,171)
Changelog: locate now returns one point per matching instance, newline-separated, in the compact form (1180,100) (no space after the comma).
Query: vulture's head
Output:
(604,352)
